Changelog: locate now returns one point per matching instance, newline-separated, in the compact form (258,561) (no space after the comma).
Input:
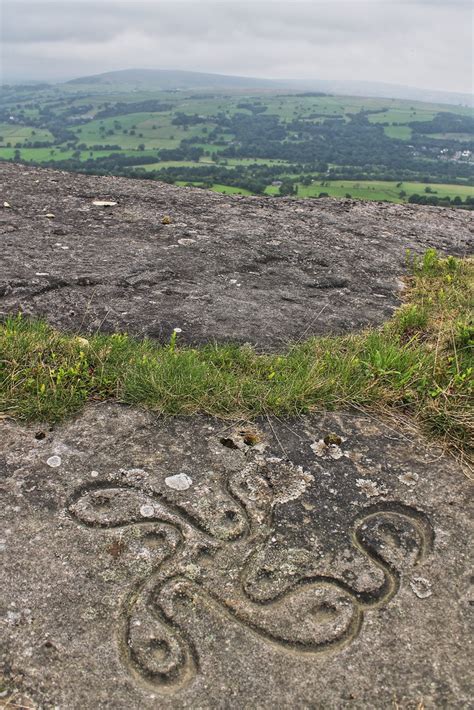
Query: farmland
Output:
(378,190)
(246,141)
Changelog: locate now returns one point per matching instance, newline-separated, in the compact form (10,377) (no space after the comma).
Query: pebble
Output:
(179,482)
(54,461)
(147,511)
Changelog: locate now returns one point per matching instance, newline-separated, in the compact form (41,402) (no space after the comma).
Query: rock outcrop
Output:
(250,269)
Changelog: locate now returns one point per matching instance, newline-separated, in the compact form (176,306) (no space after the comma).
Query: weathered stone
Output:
(284,576)
(250,269)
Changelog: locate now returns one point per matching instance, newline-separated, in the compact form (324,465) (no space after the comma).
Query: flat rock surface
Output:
(250,269)
(149,563)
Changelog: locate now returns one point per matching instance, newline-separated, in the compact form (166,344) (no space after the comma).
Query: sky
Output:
(420,43)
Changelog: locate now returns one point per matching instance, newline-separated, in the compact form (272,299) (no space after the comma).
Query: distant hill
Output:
(170,79)
(390,91)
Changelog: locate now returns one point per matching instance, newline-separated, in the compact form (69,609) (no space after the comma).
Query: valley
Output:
(245,140)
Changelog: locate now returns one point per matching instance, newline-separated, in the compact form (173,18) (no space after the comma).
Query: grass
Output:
(418,366)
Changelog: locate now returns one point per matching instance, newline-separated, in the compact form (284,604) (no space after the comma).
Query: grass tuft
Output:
(419,364)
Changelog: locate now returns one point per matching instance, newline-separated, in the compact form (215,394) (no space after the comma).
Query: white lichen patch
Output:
(179,482)
(13,617)
(370,488)
(301,481)
(193,571)
(54,461)
(289,482)
(421,587)
(409,478)
(323,450)
(147,511)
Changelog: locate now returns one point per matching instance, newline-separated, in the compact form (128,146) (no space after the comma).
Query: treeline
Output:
(443,201)
(357,143)
(444,122)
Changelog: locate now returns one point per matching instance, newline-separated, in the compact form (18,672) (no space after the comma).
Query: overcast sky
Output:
(423,43)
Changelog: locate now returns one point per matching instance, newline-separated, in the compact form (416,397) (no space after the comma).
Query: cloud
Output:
(416,42)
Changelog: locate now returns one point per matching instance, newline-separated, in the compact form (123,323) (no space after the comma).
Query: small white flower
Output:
(177,330)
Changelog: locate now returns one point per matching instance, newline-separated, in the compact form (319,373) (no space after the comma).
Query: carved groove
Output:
(316,614)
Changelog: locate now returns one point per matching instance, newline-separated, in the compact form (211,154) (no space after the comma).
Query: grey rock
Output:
(278,579)
(249,269)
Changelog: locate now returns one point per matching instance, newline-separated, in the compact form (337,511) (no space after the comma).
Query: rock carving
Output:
(312,614)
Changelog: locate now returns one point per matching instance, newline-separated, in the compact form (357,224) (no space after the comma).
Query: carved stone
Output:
(289,571)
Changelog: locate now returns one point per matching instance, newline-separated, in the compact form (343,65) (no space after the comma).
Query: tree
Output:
(287,188)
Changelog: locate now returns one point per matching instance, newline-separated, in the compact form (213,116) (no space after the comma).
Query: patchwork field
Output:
(246,141)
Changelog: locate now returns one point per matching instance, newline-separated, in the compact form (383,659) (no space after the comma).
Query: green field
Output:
(403,133)
(224,189)
(463,137)
(39,155)
(378,190)
(172,164)
(13,133)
